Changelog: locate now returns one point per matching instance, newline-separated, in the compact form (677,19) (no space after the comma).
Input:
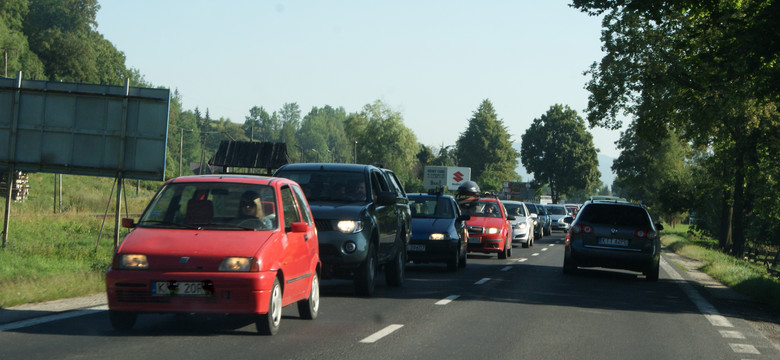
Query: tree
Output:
(322,136)
(486,147)
(559,151)
(706,70)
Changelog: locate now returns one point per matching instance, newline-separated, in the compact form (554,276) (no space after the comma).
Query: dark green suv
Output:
(613,234)
(363,220)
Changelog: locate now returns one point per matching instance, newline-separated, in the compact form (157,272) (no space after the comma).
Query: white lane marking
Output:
(718,320)
(50,318)
(381,333)
(480,282)
(506,268)
(544,249)
(709,311)
(522,260)
(535,254)
(551,245)
(730,334)
(447,300)
(744,349)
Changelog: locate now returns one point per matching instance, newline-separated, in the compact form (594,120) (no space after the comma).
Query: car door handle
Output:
(305,237)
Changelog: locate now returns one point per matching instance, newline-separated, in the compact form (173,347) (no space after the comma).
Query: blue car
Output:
(439,232)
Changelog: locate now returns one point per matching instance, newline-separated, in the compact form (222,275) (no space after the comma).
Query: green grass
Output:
(52,256)
(747,278)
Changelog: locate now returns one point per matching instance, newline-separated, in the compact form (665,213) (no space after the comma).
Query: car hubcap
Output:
(315,294)
(276,305)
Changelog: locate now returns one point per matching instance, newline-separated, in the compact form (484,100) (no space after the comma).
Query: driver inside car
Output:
(250,211)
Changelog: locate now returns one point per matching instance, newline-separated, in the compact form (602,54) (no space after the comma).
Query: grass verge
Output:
(747,278)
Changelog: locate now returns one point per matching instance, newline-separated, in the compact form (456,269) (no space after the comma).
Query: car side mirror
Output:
(385,198)
(511,217)
(128,223)
(659,226)
(568,219)
(463,218)
(299,227)
(534,215)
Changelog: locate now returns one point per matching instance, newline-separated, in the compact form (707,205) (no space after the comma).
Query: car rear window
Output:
(614,214)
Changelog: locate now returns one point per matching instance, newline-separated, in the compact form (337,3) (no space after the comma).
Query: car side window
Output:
(302,204)
(378,183)
(396,184)
(289,208)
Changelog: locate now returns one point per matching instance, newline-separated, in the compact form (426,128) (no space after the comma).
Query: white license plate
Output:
(415,247)
(181,288)
(475,240)
(613,242)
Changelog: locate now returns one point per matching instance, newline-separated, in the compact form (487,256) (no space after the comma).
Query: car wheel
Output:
(569,267)
(268,323)
(463,257)
(527,243)
(503,254)
(454,263)
(122,320)
(366,275)
(395,273)
(309,307)
(508,247)
(652,273)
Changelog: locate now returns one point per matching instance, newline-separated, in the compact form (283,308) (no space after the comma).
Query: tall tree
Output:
(486,147)
(559,151)
(708,70)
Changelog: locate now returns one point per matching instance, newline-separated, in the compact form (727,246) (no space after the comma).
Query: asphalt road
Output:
(519,308)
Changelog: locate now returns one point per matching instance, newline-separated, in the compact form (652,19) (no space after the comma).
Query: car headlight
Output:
(437,236)
(522,225)
(492,230)
(350,226)
(235,263)
(133,262)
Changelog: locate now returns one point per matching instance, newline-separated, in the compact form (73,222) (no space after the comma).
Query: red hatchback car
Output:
(226,244)
(490,229)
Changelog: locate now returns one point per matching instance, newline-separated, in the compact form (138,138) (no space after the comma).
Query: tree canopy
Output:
(559,151)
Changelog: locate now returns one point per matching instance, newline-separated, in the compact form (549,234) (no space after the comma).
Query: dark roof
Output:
(248,154)
(326,167)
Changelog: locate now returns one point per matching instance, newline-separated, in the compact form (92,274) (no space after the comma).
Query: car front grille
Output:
(323,225)
(475,230)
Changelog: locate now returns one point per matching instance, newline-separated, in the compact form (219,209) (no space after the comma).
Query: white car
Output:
(523,224)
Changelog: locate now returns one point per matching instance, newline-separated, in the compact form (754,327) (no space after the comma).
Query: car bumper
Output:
(230,293)
(336,260)
(584,256)
(485,244)
(521,237)
(560,226)
(431,250)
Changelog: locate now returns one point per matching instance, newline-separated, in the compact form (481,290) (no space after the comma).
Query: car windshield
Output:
(431,207)
(213,205)
(330,185)
(480,208)
(616,215)
(514,209)
(557,210)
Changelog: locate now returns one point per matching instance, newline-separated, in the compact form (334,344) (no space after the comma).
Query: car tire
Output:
(309,308)
(122,320)
(652,273)
(453,264)
(365,277)
(463,258)
(569,267)
(396,272)
(268,323)
(503,254)
(527,244)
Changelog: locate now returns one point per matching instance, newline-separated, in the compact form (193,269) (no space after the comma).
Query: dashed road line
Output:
(744,349)
(381,333)
(482,281)
(535,254)
(730,334)
(506,268)
(522,260)
(544,249)
(447,300)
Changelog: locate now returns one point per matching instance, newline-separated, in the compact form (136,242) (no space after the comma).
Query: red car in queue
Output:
(490,229)
(220,244)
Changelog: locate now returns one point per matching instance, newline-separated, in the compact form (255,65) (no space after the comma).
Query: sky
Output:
(432,61)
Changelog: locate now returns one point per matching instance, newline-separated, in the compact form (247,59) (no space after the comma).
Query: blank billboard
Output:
(83,129)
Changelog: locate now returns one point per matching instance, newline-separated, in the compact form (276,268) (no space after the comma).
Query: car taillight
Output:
(585,229)
(647,234)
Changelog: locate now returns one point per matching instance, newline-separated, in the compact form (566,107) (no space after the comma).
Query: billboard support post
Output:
(11,147)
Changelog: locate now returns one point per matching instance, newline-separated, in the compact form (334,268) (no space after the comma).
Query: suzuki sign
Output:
(448,176)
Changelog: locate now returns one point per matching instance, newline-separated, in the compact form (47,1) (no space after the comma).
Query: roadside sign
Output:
(448,176)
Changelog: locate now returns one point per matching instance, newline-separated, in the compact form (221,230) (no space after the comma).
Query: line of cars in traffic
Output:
(251,245)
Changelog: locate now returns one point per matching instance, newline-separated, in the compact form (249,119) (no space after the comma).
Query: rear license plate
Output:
(613,242)
(415,247)
(179,288)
